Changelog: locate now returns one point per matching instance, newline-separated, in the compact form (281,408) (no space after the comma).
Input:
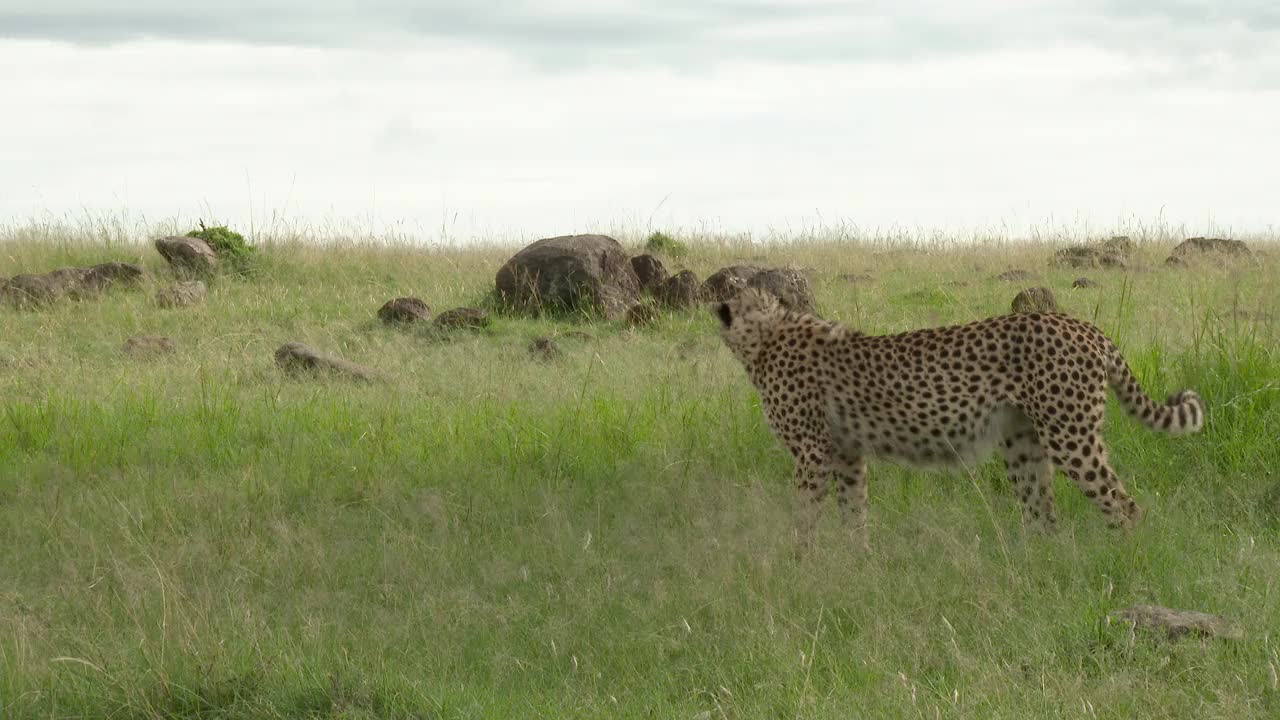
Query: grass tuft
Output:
(660,243)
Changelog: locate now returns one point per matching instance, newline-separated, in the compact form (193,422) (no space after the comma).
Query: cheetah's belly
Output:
(925,440)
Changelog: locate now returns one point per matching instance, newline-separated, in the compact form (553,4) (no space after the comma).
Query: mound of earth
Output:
(182,294)
(404,310)
(1198,248)
(80,283)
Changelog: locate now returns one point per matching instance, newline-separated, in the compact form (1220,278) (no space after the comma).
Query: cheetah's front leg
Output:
(811,485)
(850,476)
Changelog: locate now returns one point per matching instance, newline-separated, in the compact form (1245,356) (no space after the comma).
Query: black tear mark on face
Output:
(726,316)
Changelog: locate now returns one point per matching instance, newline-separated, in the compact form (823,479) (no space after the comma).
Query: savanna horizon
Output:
(608,533)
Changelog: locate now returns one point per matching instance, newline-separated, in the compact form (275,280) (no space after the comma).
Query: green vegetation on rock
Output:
(230,247)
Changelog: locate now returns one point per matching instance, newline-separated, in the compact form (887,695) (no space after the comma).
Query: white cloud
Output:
(684,33)
(741,115)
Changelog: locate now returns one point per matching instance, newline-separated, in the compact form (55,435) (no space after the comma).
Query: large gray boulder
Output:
(575,273)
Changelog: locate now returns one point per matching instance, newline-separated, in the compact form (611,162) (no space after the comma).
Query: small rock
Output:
(789,285)
(404,310)
(1271,500)
(649,270)
(642,314)
(724,283)
(1084,283)
(544,348)
(104,275)
(1178,623)
(1014,275)
(184,294)
(688,349)
(1034,299)
(1112,260)
(187,254)
(680,291)
(1120,245)
(148,346)
(855,278)
(1259,316)
(297,357)
(1077,257)
(463,318)
(1111,253)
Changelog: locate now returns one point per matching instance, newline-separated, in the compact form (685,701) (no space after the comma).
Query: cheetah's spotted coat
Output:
(1033,386)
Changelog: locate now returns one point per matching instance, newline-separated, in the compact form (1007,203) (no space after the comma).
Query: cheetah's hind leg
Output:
(1084,460)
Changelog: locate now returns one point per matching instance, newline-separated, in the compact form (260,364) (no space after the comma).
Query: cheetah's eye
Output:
(726,316)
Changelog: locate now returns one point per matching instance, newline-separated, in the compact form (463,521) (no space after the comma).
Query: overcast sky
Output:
(525,119)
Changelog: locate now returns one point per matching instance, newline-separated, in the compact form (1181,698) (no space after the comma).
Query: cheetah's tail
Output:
(1181,414)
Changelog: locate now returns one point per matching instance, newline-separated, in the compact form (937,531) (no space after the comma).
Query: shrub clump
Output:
(230,246)
(660,242)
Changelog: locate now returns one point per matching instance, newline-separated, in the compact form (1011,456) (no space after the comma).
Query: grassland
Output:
(605,535)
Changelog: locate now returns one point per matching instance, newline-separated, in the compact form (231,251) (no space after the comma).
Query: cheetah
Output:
(1032,386)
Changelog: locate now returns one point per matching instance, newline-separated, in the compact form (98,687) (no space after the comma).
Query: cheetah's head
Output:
(746,320)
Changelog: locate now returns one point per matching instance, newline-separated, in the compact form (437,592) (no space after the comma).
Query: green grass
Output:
(605,535)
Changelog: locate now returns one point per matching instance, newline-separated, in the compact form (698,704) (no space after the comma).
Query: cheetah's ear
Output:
(726,316)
